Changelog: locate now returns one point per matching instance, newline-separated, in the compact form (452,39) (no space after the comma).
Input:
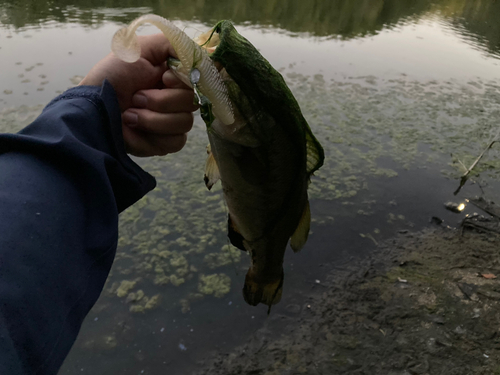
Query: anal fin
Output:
(299,237)
(212,174)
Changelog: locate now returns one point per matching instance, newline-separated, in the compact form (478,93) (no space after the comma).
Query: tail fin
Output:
(256,291)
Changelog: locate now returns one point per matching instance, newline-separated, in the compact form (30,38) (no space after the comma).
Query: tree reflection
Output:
(325,18)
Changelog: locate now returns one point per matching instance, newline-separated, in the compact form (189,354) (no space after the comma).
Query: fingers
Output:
(144,144)
(169,100)
(158,119)
(171,80)
(156,48)
(158,123)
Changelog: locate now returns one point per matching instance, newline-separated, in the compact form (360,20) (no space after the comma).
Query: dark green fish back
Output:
(265,86)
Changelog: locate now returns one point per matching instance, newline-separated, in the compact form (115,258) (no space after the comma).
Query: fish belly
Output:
(265,188)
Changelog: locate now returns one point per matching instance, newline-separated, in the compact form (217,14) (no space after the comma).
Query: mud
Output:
(425,303)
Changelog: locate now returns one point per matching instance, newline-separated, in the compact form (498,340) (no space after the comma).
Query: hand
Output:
(156,106)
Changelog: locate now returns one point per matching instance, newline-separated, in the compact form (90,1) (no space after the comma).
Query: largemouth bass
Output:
(264,158)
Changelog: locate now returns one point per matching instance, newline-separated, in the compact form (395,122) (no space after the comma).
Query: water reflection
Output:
(337,18)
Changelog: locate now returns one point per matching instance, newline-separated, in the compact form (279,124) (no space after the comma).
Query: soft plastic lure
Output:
(191,55)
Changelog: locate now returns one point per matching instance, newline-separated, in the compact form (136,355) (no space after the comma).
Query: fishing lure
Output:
(192,57)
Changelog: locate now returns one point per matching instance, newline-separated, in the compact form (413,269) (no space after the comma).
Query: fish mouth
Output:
(209,40)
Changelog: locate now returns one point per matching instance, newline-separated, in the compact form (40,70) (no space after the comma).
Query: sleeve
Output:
(63,181)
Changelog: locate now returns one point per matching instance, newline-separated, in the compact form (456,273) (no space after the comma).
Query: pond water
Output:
(402,95)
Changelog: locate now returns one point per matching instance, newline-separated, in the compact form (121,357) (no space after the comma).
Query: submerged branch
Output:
(465,176)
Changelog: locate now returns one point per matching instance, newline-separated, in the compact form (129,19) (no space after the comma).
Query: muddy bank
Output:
(425,303)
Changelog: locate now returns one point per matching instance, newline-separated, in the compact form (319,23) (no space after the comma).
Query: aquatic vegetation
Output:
(124,288)
(147,303)
(410,123)
(226,256)
(217,284)
(135,297)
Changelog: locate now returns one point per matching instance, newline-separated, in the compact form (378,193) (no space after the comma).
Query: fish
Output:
(264,153)
(264,161)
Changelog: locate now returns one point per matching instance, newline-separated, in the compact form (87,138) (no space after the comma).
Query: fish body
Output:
(265,188)
(264,161)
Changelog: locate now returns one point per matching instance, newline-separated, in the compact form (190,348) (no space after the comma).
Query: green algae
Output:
(125,287)
(226,256)
(106,342)
(170,239)
(216,284)
(393,119)
(135,297)
(176,280)
(145,303)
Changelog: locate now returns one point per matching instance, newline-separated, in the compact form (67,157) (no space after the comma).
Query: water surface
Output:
(400,94)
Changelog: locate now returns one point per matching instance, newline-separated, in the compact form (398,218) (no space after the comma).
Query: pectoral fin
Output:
(211,170)
(299,237)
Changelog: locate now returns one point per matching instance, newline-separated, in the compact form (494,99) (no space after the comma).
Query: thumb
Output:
(156,48)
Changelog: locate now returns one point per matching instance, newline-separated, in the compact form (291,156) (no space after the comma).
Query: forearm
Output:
(64,179)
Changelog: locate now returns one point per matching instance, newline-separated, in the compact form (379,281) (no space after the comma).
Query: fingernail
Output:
(130,118)
(139,101)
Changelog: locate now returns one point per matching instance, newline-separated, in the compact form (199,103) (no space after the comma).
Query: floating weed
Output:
(174,235)
(146,303)
(365,119)
(124,288)
(216,284)
(135,297)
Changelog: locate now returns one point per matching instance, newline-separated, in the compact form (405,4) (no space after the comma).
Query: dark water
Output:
(400,94)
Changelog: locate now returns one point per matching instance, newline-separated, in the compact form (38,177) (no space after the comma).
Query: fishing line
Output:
(229,245)
(194,77)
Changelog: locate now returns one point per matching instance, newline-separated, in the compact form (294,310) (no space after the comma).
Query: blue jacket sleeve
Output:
(63,181)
